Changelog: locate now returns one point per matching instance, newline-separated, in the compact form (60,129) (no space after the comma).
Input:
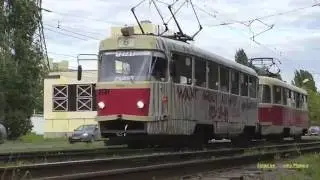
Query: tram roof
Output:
(164,44)
(278,82)
(192,49)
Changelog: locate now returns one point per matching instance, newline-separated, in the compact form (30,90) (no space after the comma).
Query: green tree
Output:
(241,57)
(21,64)
(304,79)
(313,107)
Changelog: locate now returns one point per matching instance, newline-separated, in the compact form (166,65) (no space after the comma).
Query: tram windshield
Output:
(132,66)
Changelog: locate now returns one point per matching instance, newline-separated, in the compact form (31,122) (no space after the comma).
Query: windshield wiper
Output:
(131,79)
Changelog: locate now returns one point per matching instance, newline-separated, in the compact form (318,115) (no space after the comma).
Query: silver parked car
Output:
(314,131)
(85,133)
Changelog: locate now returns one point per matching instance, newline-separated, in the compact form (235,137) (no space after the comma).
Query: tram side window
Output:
(159,72)
(253,86)
(306,99)
(289,93)
(277,94)
(298,100)
(266,97)
(244,84)
(260,92)
(285,96)
(213,75)
(183,69)
(295,95)
(200,72)
(235,82)
(224,79)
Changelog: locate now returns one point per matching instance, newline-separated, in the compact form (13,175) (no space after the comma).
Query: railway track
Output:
(80,154)
(159,165)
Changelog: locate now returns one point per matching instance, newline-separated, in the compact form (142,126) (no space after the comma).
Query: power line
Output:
(65,34)
(58,27)
(81,17)
(60,54)
(266,17)
(252,40)
(77,29)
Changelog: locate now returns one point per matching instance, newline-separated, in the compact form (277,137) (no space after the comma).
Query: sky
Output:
(76,26)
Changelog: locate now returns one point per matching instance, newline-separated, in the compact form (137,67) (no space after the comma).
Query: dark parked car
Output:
(85,133)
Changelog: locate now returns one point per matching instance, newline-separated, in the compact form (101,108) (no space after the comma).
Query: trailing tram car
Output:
(283,109)
(155,90)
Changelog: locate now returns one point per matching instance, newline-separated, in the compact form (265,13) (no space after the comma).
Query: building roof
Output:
(70,77)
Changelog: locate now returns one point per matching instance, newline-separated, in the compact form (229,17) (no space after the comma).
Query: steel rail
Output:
(78,154)
(94,166)
(176,169)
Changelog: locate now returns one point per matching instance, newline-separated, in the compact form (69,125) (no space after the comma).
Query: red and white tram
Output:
(161,90)
(283,109)
(154,90)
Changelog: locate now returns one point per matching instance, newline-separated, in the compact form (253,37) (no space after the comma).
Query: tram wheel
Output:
(297,137)
(241,140)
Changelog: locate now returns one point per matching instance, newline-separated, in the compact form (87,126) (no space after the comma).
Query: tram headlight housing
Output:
(140,104)
(101,105)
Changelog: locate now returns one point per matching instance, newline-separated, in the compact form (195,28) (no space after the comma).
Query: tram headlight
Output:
(140,104)
(101,105)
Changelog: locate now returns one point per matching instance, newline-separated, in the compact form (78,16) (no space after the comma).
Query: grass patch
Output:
(35,138)
(309,168)
(33,142)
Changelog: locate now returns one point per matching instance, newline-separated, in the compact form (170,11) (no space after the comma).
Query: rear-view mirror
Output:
(79,72)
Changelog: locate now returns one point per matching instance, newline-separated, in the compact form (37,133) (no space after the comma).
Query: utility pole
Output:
(40,39)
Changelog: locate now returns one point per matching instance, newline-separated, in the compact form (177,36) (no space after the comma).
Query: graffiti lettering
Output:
(186,93)
(211,97)
(234,106)
(219,106)
(212,112)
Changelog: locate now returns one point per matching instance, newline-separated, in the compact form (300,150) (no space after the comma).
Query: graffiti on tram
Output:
(221,106)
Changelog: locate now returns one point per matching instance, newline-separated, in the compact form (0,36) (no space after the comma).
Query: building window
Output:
(84,97)
(60,98)
(74,97)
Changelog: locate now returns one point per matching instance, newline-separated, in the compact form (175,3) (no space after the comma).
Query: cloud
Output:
(294,38)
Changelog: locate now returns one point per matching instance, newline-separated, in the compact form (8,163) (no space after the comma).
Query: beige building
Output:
(68,103)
